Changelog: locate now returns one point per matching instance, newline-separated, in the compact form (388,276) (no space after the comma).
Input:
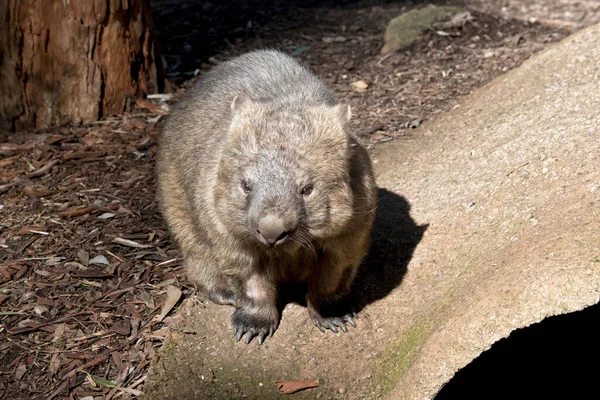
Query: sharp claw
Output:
(318,325)
(249,335)
(261,337)
(354,314)
(239,334)
(332,327)
(349,319)
(343,326)
(271,331)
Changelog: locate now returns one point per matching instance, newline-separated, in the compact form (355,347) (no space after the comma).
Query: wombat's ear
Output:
(239,102)
(344,111)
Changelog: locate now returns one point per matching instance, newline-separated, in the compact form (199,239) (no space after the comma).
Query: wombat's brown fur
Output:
(262,184)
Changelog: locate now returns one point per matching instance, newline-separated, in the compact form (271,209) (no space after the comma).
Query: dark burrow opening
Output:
(557,358)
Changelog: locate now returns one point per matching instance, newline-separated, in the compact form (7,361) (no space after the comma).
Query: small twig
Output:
(92,336)
(88,364)
(136,383)
(130,243)
(43,170)
(100,359)
(57,391)
(35,259)
(172,260)
(39,232)
(368,131)
(7,186)
(76,212)
(38,326)
(131,387)
(382,59)
(115,256)
(110,196)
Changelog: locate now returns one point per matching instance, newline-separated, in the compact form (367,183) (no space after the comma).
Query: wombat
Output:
(262,185)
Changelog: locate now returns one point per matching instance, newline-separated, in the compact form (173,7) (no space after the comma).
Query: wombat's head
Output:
(284,173)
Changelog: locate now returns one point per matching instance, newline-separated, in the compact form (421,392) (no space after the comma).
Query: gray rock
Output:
(402,31)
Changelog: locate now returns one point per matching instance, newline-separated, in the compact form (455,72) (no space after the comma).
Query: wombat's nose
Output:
(272,229)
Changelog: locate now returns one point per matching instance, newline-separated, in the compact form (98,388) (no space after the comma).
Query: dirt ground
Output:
(86,262)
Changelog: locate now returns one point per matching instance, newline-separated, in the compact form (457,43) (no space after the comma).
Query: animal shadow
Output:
(395,237)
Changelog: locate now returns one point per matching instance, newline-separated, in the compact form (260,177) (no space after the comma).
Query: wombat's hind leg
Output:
(331,322)
(327,298)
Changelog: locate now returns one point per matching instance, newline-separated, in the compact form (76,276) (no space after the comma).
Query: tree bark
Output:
(75,61)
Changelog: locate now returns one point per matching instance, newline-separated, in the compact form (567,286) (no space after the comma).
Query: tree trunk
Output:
(74,60)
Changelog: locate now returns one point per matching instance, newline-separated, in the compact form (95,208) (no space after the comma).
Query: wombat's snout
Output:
(271,230)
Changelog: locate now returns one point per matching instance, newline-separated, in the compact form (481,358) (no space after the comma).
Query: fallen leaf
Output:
(130,243)
(4,273)
(173,296)
(78,155)
(40,309)
(76,212)
(123,210)
(8,161)
(20,371)
(121,327)
(7,148)
(153,108)
(334,39)
(300,49)
(53,261)
(106,215)
(28,230)
(42,299)
(289,387)
(101,381)
(99,259)
(59,331)
(21,272)
(98,380)
(92,273)
(457,21)
(84,257)
(43,170)
(35,191)
(360,86)
(54,364)
(145,297)
(12,313)
(161,96)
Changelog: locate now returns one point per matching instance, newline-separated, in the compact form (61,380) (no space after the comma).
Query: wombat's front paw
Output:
(332,323)
(253,323)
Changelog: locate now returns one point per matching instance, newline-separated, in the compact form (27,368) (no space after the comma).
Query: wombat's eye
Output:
(307,190)
(246,186)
